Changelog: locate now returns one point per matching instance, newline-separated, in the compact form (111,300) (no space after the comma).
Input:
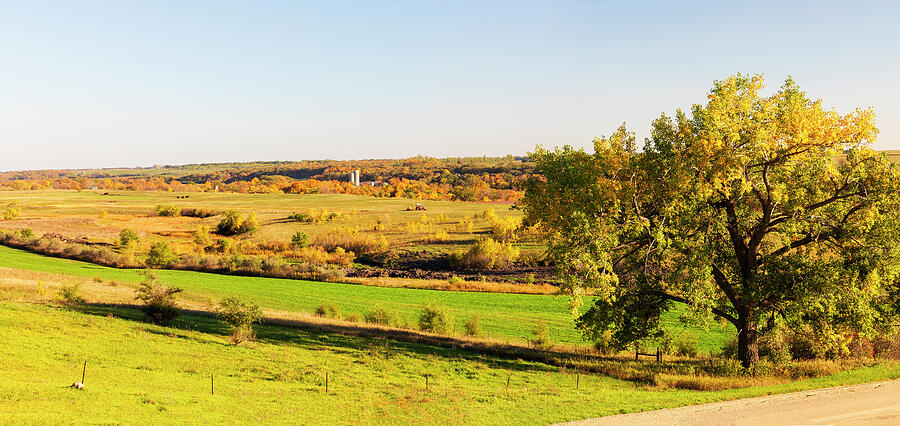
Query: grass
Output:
(510,317)
(77,213)
(138,372)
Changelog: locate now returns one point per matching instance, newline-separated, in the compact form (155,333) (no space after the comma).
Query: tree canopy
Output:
(765,211)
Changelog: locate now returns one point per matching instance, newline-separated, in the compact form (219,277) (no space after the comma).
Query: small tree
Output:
(300,240)
(159,300)
(240,316)
(472,326)
(129,238)
(161,255)
(12,211)
(202,237)
(541,338)
(435,319)
(166,210)
(234,223)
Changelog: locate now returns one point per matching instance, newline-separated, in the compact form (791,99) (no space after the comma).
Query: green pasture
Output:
(504,316)
(141,373)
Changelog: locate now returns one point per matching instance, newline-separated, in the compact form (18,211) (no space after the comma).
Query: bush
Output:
(69,295)
(354,317)
(12,211)
(505,229)
(129,238)
(486,254)
(382,316)
(26,233)
(200,213)
(351,241)
(686,345)
(729,349)
(159,301)
(456,280)
(541,338)
(161,255)
(435,319)
(472,325)
(240,316)
(233,223)
(300,240)
(202,237)
(166,210)
(328,311)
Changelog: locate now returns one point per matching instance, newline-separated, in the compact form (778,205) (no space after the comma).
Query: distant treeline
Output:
(467,179)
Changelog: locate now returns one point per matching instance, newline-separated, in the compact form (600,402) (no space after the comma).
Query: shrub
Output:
(26,233)
(775,348)
(69,295)
(302,217)
(686,345)
(240,316)
(729,350)
(200,213)
(161,255)
(300,240)
(435,319)
(12,211)
(328,311)
(166,210)
(486,254)
(505,229)
(350,241)
(202,237)
(541,338)
(381,315)
(455,280)
(354,317)
(102,214)
(605,344)
(225,246)
(233,223)
(129,238)
(159,300)
(472,325)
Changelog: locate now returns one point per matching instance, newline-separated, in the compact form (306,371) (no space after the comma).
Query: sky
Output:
(121,84)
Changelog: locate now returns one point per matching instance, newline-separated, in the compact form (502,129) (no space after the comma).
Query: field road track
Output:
(867,404)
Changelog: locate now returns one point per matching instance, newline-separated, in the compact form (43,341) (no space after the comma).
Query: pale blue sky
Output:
(119,83)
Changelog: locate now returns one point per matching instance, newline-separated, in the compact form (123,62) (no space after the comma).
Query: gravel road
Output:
(866,404)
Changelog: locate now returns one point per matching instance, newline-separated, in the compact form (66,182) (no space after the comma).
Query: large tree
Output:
(760,210)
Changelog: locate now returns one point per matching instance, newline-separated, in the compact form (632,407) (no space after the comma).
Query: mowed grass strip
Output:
(509,317)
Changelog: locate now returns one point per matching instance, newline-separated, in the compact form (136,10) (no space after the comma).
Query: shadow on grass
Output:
(348,339)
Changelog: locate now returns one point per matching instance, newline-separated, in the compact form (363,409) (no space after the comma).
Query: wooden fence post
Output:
(326,382)
(212,384)
(83,369)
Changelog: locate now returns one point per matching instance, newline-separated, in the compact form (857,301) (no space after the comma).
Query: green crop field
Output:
(505,316)
(141,373)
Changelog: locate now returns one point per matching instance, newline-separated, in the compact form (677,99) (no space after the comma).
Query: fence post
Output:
(212,384)
(83,369)
(326,382)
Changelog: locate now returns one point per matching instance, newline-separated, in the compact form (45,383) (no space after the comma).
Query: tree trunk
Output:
(748,348)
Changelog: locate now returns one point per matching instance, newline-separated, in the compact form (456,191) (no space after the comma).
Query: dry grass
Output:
(478,286)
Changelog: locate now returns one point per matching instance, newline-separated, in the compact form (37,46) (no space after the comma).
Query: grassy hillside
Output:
(140,373)
(503,316)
